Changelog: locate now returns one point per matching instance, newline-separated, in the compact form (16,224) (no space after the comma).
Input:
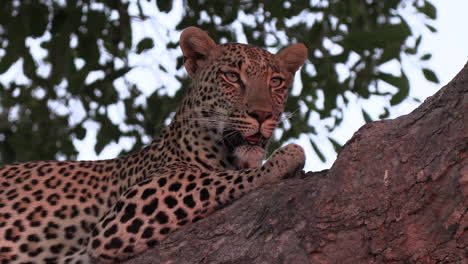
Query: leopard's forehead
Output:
(254,59)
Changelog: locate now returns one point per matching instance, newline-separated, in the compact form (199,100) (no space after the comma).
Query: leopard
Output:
(211,154)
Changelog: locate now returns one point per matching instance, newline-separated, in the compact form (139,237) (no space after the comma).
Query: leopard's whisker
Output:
(288,115)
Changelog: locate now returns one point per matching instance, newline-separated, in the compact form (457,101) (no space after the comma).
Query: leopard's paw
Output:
(285,161)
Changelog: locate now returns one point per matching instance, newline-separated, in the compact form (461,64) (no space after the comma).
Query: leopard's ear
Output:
(292,57)
(196,46)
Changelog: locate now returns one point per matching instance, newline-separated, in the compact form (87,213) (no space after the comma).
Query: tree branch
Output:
(396,193)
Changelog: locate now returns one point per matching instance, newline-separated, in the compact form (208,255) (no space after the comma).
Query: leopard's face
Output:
(241,91)
(254,91)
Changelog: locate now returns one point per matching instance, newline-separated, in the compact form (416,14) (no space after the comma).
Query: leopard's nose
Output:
(260,116)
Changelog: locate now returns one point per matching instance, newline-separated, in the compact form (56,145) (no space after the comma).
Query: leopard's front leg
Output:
(149,211)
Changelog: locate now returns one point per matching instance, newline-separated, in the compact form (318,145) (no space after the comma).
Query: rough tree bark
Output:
(397,193)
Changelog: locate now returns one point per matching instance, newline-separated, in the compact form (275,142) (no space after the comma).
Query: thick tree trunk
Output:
(397,193)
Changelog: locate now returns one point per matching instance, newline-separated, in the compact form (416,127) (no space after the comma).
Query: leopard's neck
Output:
(190,140)
(196,131)
(183,141)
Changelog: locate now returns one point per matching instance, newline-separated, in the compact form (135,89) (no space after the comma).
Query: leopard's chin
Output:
(246,152)
(249,156)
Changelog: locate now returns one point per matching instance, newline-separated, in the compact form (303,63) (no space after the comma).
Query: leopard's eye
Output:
(276,82)
(232,76)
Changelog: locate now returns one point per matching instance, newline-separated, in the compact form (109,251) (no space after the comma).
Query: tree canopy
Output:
(57,56)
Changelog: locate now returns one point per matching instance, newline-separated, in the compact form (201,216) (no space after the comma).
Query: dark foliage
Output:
(79,38)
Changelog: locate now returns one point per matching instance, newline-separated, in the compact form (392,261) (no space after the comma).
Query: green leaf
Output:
(96,22)
(29,65)
(426,57)
(101,142)
(414,49)
(380,37)
(164,5)
(317,151)
(37,18)
(80,132)
(385,114)
(428,9)
(366,116)
(107,134)
(400,82)
(59,20)
(162,68)
(392,51)
(8,59)
(431,28)
(144,44)
(430,75)
(418,42)
(336,146)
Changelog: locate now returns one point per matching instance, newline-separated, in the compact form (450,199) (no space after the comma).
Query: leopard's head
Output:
(240,90)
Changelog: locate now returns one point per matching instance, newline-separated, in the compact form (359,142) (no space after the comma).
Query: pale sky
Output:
(449,48)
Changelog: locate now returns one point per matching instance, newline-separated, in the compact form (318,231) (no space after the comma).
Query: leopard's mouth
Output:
(234,139)
(245,152)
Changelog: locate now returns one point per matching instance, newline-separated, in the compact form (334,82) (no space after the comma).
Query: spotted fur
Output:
(210,155)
